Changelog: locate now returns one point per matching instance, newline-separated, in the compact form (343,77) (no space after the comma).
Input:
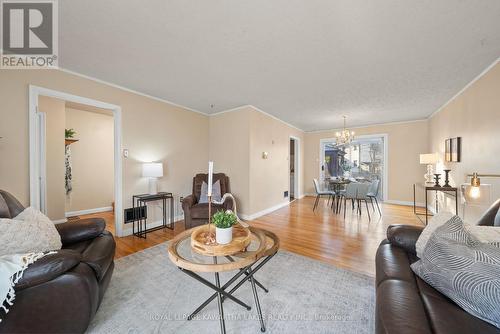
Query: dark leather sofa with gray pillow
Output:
(408,305)
(60,293)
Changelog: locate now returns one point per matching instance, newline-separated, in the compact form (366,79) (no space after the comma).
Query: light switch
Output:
(125,153)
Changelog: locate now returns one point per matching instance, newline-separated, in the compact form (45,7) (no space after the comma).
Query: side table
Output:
(263,246)
(142,200)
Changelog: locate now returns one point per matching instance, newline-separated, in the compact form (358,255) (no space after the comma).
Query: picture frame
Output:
(447,150)
(455,149)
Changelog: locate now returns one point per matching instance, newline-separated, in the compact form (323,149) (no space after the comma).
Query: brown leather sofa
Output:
(197,213)
(60,293)
(408,305)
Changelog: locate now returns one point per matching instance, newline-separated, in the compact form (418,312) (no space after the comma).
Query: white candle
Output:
(210,172)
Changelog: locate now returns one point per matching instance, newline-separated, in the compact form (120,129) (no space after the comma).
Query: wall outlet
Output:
(285,194)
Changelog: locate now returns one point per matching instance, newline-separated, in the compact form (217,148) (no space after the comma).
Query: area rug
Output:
(148,294)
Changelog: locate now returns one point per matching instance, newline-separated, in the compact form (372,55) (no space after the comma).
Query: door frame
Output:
(37,149)
(296,178)
(385,136)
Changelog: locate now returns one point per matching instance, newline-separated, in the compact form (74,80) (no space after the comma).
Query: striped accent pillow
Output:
(464,269)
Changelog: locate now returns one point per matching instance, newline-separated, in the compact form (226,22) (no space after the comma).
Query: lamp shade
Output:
(428,158)
(152,169)
(480,195)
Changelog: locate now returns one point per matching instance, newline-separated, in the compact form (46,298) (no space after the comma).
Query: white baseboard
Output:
(88,211)
(389,201)
(264,212)
(128,227)
(60,221)
(406,203)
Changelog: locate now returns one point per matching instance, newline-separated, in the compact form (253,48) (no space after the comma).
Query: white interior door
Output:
(42,177)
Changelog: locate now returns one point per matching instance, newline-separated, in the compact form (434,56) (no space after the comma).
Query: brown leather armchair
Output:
(197,213)
(60,293)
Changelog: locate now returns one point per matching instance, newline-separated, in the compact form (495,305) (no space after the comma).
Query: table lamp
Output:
(152,170)
(475,192)
(429,159)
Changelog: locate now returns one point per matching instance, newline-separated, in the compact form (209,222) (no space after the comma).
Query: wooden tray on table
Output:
(241,239)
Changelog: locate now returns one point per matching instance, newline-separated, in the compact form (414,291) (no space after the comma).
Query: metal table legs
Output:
(221,294)
(219,301)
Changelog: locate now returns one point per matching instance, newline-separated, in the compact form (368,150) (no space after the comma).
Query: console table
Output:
(142,200)
(452,191)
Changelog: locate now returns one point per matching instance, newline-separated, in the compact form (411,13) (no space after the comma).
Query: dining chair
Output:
(349,193)
(373,193)
(356,193)
(362,195)
(320,192)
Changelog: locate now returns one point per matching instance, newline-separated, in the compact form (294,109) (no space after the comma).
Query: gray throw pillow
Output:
(216,195)
(464,269)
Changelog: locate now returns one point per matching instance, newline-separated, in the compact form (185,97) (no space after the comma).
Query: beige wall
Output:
(152,130)
(405,142)
(270,177)
(54,110)
(475,117)
(92,160)
(157,131)
(229,149)
(237,140)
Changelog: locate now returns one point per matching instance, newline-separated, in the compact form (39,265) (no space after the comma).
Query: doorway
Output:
(40,172)
(293,168)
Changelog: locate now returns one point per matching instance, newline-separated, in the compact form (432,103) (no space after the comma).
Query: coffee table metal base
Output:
(221,294)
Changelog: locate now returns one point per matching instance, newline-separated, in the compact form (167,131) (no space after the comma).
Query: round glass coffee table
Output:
(262,247)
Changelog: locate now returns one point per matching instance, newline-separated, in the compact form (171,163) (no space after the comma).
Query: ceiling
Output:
(305,62)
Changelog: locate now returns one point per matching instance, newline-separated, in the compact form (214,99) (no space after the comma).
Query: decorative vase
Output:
(223,236)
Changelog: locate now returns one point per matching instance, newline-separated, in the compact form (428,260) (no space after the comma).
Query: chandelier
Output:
(345,136)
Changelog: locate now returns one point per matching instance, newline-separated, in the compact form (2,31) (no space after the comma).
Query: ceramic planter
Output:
(223,236)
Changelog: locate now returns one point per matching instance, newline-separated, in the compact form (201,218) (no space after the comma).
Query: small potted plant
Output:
(69,133)
(224,221)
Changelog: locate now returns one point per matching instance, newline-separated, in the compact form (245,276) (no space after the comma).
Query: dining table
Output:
(336,184)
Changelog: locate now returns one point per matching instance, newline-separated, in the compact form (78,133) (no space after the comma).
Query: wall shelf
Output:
(70,141)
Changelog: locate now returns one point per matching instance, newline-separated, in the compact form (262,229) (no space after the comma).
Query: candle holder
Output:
(436,180)
(447,178)
(209,235)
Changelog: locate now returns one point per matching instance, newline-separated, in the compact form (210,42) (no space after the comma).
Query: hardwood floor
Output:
(326,236)
(321,235)
(131,244)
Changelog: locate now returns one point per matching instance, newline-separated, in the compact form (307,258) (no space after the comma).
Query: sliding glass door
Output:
(361,161)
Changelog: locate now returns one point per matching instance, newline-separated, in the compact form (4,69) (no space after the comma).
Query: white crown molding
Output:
(256,109)
(129,90)
(486,70)
(371,125)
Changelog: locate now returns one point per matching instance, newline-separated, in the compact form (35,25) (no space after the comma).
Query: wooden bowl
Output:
(241,239)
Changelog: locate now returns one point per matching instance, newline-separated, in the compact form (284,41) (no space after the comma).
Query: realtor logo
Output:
(29,34)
